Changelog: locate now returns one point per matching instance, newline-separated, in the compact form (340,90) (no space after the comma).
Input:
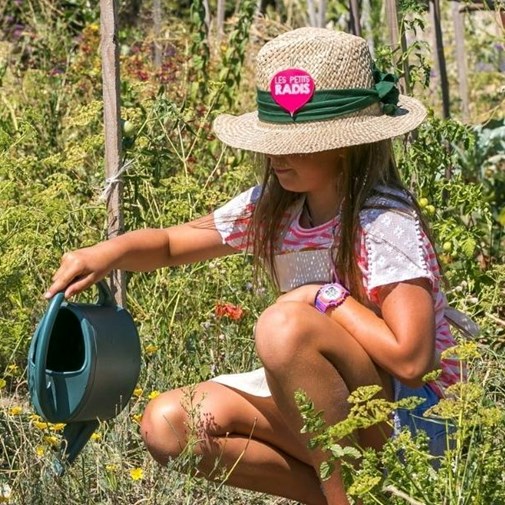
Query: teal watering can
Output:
(83,365)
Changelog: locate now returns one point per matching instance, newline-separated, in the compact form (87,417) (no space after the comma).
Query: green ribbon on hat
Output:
(332,103)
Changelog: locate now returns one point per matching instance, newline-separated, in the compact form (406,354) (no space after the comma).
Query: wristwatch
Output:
(330,295)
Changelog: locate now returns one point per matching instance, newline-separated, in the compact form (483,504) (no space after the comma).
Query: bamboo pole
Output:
(112,118)
(440,56)
(459,41)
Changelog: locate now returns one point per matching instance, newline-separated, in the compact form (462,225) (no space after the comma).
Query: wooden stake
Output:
(220,21)
(440,56)
(392,21)
(394,38)
(355,17)
(112,119)
(321,14)
(459,39)
(366,15)
(157,32)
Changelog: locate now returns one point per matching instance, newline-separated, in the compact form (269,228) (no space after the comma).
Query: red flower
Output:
(229,310)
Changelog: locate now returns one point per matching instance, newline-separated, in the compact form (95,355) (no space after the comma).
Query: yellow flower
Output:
(52,440)
(111,468)
(137,473)
(153,394)
(96,437)
(151,349)
(35,417)
(2,383)
(15,411)
(137,417)
(12,369)
(56,426)
(40,425)
(138,392)
(40,450)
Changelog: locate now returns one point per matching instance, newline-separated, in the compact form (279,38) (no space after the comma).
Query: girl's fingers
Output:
(71,272)
(79,285)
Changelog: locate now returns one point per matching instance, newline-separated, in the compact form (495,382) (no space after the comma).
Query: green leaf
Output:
(326,469)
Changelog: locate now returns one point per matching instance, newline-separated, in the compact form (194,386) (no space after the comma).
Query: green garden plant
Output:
(51,177)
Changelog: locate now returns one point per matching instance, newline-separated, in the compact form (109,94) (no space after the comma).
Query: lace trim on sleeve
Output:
(232,219)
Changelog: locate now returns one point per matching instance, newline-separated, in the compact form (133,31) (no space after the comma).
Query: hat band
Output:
(331,103)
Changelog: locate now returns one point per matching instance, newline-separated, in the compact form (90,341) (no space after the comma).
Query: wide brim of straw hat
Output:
(249,133)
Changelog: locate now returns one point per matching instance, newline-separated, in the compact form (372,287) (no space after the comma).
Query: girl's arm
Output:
(138,251)
(402,341)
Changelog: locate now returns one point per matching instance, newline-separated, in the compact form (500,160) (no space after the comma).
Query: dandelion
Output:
(137,473)
(5,493)
(137,418)
(40,450)
(138,392)
(15,411)
(234,312)
(151,349)
(3,383)
(96,437)
(153,394)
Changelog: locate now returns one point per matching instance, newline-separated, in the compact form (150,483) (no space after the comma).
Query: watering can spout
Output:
(76,436)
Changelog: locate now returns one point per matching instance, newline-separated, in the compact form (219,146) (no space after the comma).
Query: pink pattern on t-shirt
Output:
(391,236)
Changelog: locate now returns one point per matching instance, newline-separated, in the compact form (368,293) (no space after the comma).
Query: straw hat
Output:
(328,64)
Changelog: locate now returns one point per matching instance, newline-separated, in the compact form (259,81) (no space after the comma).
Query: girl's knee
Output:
(163,426)
(281,333)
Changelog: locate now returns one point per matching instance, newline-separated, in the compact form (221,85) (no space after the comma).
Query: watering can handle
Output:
(46,327)
(104,294)
(104,298)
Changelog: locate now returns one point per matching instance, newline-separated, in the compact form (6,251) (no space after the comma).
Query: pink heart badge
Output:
(292,88)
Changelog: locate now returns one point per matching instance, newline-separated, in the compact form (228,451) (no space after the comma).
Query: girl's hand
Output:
(306,294)
(79,270)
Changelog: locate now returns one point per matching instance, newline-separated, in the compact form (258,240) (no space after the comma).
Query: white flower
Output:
(5,493)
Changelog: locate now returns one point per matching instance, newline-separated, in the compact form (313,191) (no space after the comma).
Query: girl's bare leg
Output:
(235,431)
(260,437)
(309,351)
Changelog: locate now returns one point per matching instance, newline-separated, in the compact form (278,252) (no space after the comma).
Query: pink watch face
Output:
(331,295)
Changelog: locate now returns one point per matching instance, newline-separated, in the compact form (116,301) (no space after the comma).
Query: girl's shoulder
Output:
(389,198)
(389,215)
(388,206)
(240,204)
(393,243)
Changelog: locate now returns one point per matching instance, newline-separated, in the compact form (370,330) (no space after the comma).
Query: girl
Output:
(342,239)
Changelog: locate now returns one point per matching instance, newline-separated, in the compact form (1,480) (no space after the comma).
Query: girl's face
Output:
(308,173)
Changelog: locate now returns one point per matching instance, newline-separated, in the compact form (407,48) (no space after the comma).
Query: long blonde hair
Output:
(365,167)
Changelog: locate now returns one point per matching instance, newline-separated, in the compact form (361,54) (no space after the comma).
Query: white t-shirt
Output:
(392,248)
